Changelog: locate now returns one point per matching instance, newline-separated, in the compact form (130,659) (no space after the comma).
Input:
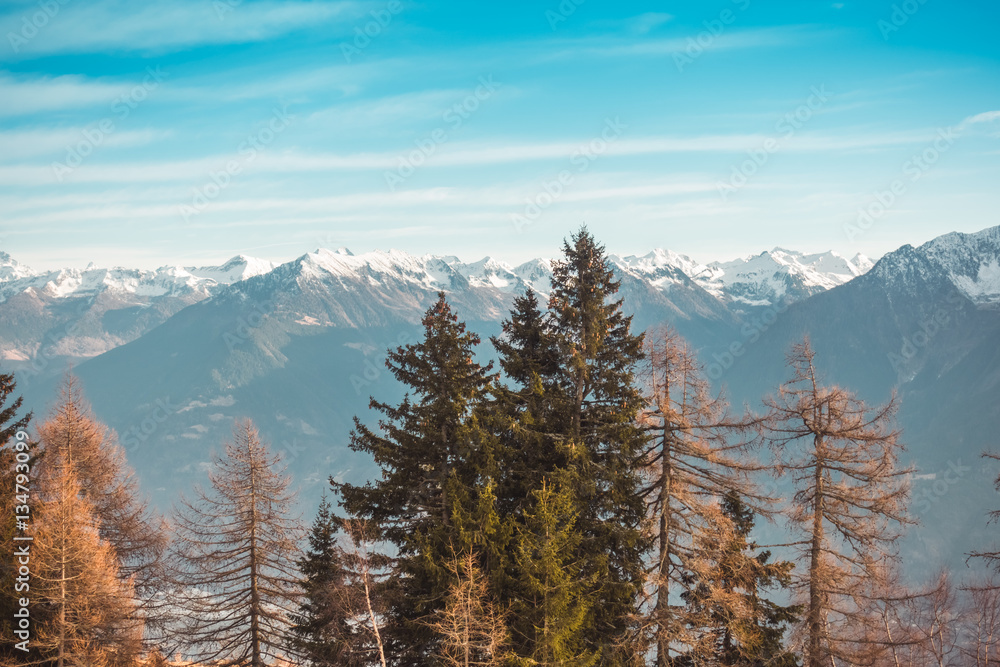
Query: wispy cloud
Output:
(731,40)
(116,25)
(980,118)
(26,95)
(458,154)
(20,144)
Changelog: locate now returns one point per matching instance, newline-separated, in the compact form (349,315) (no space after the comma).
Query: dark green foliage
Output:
(323,634)
(595,403)
(521,414)
(737,626)
(435,495)
(557,599)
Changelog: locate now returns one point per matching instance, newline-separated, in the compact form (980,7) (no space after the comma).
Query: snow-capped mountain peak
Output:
(779,274)
(971,261)
(10,269)
(236,269)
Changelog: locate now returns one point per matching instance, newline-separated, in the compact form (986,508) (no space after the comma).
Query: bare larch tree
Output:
(125,521)
(233,558)
(91,614)
(694,456)
(849,506)
(472,628)
(992,556)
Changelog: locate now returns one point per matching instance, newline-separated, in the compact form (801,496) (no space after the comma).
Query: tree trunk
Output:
(815,620)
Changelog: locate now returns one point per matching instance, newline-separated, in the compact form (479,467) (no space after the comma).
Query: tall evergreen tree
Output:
(558,598)
(324,635)
(595,404)
(734,624)
(520,412)
(435,497)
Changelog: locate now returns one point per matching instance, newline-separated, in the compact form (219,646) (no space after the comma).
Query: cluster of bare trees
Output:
(106,587)
(96,552)
(840,460)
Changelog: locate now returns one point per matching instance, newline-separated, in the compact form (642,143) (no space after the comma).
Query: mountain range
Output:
(169,357)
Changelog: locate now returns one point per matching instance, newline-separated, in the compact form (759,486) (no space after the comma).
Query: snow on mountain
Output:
(431,271)
(779,274)
(11,270)
(661,268)
(972,262)
(164,281)
(236,269)
(489,272)
(49,318)
(118,305)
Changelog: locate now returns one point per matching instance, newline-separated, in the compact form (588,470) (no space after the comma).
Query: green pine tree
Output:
(324,635)
(520,415)
(434,497)
(557,603)
(738,627)
(595,404)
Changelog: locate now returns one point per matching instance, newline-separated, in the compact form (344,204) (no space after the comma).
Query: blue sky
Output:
(143,134)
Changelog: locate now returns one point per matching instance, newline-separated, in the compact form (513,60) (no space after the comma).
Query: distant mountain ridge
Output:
(301,347)
(82,313)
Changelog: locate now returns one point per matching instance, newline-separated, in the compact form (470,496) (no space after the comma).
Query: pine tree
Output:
(12,420)
(696,453)
(849,505)
(735,626)
(558,594)
(595,405)
(325,636)
(233,557)
(521,414)
(435,494)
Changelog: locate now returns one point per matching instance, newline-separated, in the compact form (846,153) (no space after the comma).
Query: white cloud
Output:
(985,117)
(19,144)
(22,95)
(114,25)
